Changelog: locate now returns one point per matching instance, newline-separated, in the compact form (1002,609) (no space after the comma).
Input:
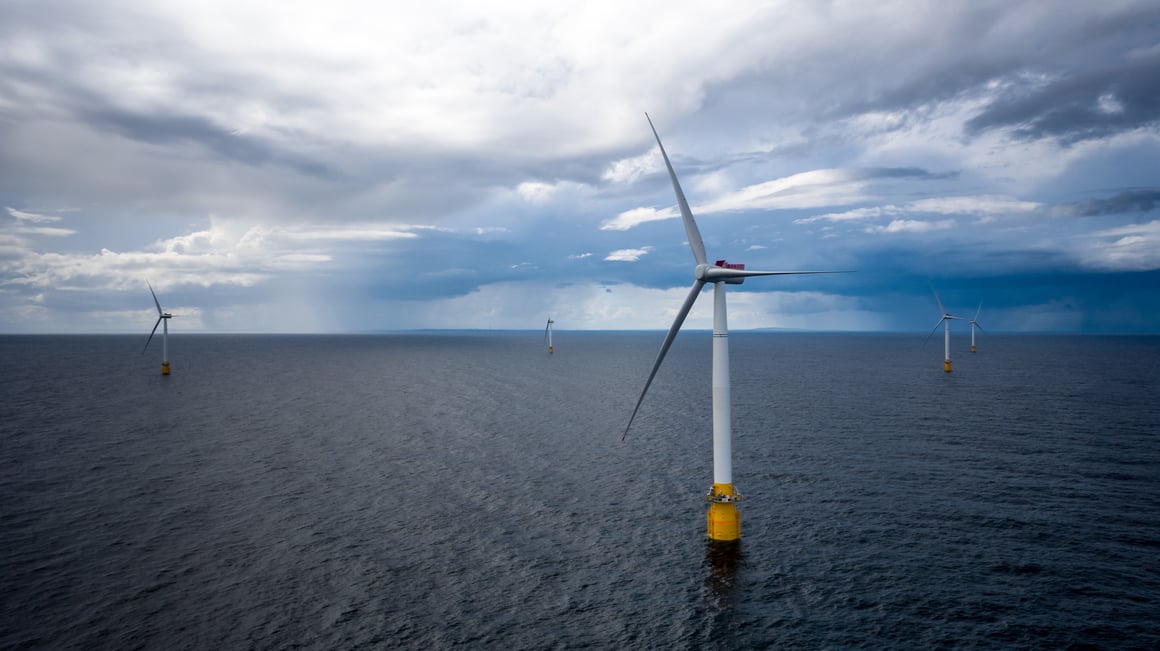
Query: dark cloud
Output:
(1088,104)
(1125,202)
(172,129)
(867,173)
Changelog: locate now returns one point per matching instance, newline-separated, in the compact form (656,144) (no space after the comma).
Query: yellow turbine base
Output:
(165,368)
(972,349)
(947,366)
(723,519)
(550,351)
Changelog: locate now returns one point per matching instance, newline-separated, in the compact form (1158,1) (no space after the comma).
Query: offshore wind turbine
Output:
(723,519)
(162,317)
(974,324)
(548,334)
(945,321)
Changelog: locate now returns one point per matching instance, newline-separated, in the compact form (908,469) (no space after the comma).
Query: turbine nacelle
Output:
(721,271)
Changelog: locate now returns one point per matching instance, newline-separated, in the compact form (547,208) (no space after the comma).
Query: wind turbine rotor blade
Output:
(691,230)
(155,301)
(151,334)
(941,309)
(940,322)
(977,311)
(684,312)
(976,323)
(713,274)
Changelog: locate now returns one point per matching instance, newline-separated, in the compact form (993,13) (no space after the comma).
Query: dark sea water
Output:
(470,491)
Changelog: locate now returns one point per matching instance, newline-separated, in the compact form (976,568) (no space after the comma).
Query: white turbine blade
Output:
(941,310)
(940,321)
(151,334)
(691,231)
(684,312)
(713,274)
(155,301)
(977,311)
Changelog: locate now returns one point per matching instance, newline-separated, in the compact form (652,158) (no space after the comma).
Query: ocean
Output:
(470,491)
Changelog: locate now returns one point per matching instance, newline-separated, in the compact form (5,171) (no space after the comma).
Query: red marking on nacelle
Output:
(730,265)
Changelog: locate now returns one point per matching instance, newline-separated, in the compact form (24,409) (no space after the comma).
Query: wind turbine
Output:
(161,317)
(548,334)
(974,324)
(723,519)
(945,321)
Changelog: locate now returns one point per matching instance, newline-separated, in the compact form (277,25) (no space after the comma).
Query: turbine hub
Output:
(721,271)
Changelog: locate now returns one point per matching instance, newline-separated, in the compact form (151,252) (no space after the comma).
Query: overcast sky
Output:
(283,166)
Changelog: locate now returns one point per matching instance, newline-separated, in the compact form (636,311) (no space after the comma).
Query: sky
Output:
(285,166)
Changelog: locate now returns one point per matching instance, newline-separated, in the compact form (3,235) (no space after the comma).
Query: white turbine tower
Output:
(161,317)
(944,321)
(548,334)
(975,324)
(723,519)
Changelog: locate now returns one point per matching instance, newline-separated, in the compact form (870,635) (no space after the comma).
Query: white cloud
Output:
(1133,247)
(24,226)
(637,216)
(629,170)
(535,191)
(824,187)
(628,255)
(854,215)
(974,205)
(41,230)
(912,226)
(31,216)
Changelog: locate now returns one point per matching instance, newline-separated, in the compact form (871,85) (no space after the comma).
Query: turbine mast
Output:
(722,408)
(947,345)
(723,520)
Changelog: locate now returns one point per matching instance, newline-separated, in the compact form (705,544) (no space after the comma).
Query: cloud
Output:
(1124,202)
(1075,106)
(857,214)
(27,223)
(974,205)
(628,255)
(981,206)
(823,187)
(31,216)
(1133,247)
(912,226)
(312,165)
(637,216)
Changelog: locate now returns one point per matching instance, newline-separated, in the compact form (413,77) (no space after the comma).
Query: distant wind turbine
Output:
(162,317)
(944,321)
(548,334)
(974,324)
(723,519)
